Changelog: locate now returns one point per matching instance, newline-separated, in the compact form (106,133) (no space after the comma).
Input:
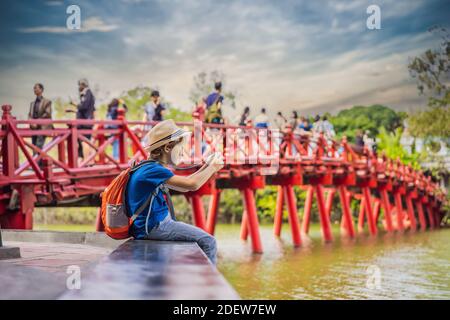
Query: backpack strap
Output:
(141,208)
(135,166)
(152,197)
(166,192)
(163,188)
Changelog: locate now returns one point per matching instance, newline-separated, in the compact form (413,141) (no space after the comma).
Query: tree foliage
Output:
(390,144)
(433,122)
(432,72)
(347,122)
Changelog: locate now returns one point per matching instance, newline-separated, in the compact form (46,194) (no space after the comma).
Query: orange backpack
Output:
(114,213)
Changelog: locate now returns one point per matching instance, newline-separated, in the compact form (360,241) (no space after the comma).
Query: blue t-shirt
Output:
(141,184)
(212,98)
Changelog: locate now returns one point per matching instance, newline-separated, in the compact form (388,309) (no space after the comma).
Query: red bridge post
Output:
(293,215)
(347,214)
(252,218)
(198,210)
(307,210)
(387,209)
(430,214)
(369,211)
(324,218)
(410,209)
(244,226)
(278,219)
(422,219)
(213,212)
(329,201)
(362,212)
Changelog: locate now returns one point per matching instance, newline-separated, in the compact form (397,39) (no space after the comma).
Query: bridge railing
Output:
(239,145)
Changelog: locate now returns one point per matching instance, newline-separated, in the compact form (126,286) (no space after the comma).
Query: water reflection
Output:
(412,266)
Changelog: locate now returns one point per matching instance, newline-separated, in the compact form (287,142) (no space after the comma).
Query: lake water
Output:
(397,266)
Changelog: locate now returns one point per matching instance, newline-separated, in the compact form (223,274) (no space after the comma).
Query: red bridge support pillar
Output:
(244,226)
(387,210)
(369,211)
(422,219)
(410,208)
(252,218)
(307,211)
(362,210)
(376,210)
(198,211)
(346,214)
(329,201)
(212,212)
(399,206)
(324,217)
(278,219)
(21,217)
(293,215)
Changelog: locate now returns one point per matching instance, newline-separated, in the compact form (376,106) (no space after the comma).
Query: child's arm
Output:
(179,189)
(197,179)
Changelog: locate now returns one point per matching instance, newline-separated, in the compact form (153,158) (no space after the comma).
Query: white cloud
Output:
(269,57)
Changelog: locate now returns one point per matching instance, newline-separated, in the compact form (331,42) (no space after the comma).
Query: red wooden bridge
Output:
(391,195)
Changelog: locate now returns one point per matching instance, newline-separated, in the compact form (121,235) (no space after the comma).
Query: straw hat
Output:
(163,133)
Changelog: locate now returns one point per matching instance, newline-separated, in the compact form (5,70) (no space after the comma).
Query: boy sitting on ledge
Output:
(155,222)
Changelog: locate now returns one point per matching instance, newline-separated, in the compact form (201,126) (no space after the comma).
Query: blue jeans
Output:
(171,230)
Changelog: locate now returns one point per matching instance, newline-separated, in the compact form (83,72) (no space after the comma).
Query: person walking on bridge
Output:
(245,116)
(165,145)
(159,107)
(85,111)
(214,105)
(40,108)
(154,110)
(262,120)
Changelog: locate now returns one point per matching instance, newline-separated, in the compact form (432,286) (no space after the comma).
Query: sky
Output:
(309,56)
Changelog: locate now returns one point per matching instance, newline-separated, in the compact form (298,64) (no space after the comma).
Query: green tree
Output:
(347,122)
(432,72)
(389,143)
(432,122)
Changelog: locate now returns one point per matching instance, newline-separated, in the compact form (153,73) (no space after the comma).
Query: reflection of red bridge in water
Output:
(408,199)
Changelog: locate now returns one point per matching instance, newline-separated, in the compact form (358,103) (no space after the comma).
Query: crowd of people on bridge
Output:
(209,110)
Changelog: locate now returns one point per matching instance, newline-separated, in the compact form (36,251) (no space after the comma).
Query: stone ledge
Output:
(98,239)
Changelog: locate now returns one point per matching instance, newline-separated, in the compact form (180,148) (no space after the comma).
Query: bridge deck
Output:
(154,270)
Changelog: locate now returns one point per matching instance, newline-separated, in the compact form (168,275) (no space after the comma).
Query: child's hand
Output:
(217,162)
